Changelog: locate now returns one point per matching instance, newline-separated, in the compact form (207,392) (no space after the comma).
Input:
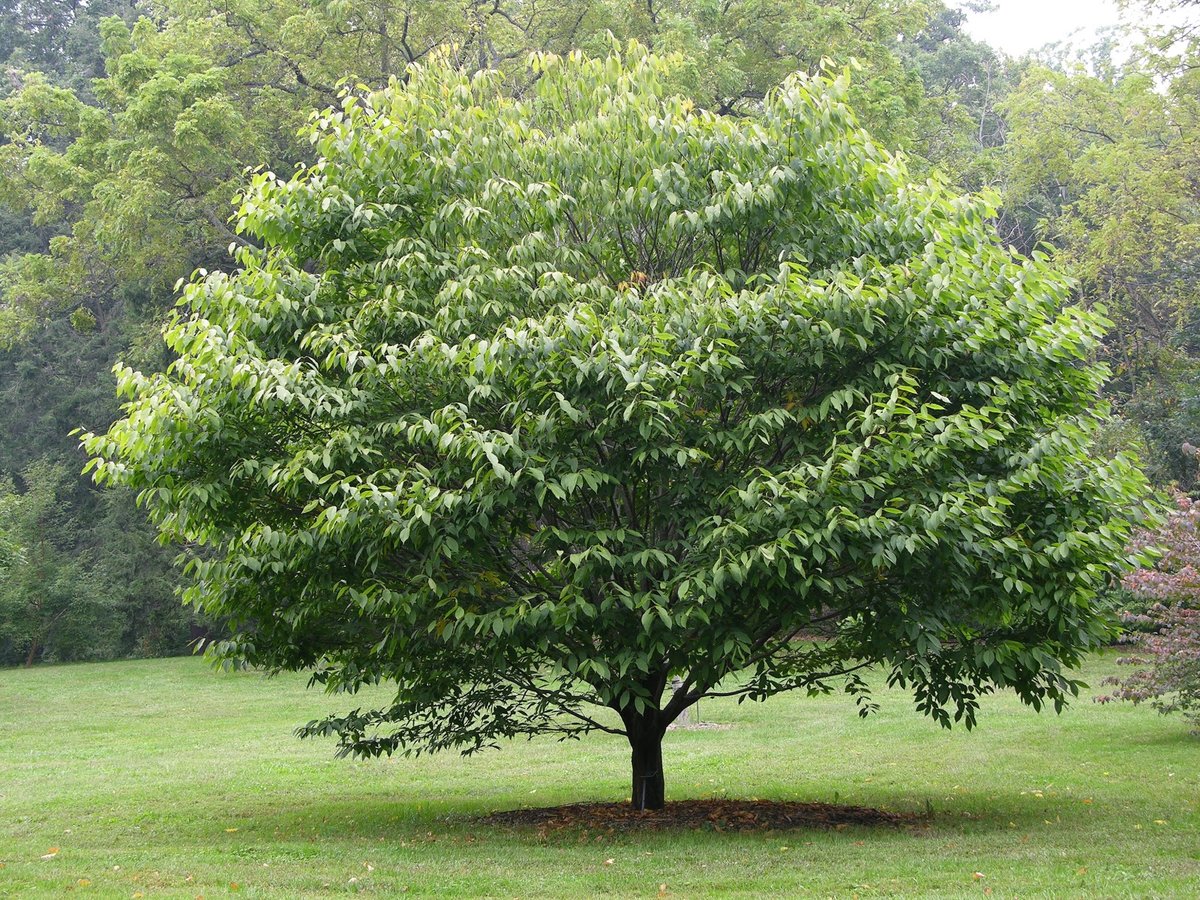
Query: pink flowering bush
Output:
(1166,633)
(1174,579)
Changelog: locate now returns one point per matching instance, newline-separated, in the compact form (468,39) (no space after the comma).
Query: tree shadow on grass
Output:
(712,814)
(1185,738)
(424,820)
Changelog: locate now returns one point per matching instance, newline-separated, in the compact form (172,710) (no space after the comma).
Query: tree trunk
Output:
(32,657)
(385,41)
(649,787)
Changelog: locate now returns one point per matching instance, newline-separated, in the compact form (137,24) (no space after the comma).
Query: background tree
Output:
(55,379)
(49,609)
(1164,628)
(965,82)
(57,38)
(527,405)
(10,553)
(1105,170)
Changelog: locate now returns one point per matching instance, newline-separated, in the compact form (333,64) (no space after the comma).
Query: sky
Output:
(1017,26)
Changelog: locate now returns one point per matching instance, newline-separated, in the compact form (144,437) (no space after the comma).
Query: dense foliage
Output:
(48,608)
(138,171)
(125,128)
(98,539)
(1165,632)
(529,405)
(1106,168)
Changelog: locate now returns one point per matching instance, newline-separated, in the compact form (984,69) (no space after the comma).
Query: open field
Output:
(164,778)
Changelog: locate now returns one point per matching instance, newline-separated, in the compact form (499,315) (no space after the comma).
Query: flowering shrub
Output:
(1166,633)
(1174,579)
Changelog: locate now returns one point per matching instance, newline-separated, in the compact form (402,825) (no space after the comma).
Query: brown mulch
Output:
(710,815)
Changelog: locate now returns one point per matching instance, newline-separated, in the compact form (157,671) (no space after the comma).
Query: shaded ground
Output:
(710,815)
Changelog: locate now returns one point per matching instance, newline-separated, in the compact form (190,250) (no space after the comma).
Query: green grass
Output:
(164,778)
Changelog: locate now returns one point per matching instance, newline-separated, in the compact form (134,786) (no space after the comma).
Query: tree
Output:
(1109,167)
(964,81)
(57,37)
(10,554)
(1105,169)
(49,605)
(1166,632)
(50,384)
(527,405)
(139,180)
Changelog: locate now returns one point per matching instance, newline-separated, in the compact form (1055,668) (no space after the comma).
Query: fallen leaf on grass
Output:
(609,862)
(977,875)
(84,882)
(51,853)
(230,830)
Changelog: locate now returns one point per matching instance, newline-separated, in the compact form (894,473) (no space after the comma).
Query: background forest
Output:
(126,129)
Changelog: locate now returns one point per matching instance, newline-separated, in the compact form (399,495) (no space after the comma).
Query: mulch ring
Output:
(708,815)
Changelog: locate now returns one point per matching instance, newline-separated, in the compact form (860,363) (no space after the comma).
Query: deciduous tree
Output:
(527,405)
(1105,169)
(49,607)
(1165,633)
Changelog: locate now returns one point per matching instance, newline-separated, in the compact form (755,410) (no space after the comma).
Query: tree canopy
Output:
(528,404)
(125,127)
(1101,167)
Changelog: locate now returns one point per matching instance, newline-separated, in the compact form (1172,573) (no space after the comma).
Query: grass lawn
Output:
(165,779)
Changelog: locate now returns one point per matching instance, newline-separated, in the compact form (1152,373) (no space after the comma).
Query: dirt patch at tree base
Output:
(708,815)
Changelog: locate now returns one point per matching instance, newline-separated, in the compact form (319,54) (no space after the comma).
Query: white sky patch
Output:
(1018,26)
